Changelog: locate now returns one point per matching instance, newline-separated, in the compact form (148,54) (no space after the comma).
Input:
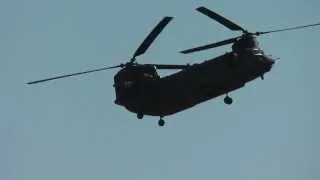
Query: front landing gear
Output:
(228,100)
(161,122)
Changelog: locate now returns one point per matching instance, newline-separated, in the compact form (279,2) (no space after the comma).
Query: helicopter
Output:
(140,89)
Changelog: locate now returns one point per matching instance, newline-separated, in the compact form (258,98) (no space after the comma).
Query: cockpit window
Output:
(257,51)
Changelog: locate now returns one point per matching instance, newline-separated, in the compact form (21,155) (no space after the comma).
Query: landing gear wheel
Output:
(228,100)
(161,122)
(139,115)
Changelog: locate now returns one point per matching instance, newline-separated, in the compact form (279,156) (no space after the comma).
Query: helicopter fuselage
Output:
(188,87)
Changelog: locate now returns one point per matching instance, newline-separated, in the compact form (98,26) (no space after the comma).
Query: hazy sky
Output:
(71,129)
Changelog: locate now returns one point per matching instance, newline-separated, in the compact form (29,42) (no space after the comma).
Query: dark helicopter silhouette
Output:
(141,90)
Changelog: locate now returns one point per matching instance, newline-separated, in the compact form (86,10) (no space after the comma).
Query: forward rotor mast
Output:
(234,27)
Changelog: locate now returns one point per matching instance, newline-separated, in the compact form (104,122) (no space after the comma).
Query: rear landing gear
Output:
(161,122)
(139,115)
(228,100)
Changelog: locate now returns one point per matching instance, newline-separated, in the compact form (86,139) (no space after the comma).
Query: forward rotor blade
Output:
(151,37)
(169,66)
(288,29)
(74,74)
(213,45)
(222,20)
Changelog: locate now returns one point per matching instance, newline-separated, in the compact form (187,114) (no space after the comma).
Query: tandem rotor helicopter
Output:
(140,89)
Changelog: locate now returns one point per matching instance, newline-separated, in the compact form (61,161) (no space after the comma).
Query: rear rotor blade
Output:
(222,20)
(74,74)
(288,29)
(169,66)
(151,37)
(213,45)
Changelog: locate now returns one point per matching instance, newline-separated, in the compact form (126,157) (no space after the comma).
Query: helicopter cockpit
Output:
(247,44)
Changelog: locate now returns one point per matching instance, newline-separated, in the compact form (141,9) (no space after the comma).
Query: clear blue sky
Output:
(70,129)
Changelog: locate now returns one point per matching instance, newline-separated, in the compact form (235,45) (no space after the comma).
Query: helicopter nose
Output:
(268,61)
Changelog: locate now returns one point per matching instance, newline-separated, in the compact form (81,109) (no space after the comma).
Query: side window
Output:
(148,75)
(127,84)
